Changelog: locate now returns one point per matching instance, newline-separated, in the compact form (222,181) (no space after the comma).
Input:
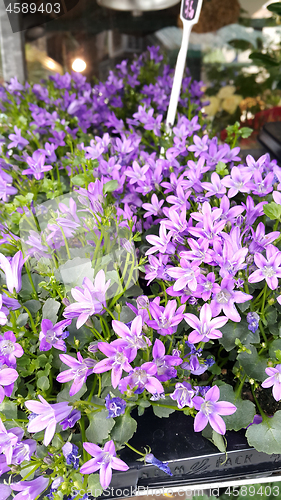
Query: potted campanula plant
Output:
(135,287)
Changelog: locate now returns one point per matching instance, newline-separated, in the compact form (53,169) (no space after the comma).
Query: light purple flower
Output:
(117,360)
(29,490)
(47,417)
(6,190)
(261,239)
(53,335)
(142,378)
(133,337)
(185,275)
(91,299)
(9,349)
(224,299)
(237,181)
(274,380)
(8,440)
(161,243)
(210,410)
(23,450)
(17,140)
(153,208)
(165,319)
(165,362)
(80,370)
(215,187)
(5,491)
(104,460)
(7,378)
(205,328)
(37,165)
(12,270)
(269,267)
(200,145)
(183,394)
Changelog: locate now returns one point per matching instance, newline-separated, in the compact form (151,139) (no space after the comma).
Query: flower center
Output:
(268,271)
(277,377)
(139,377)
(189,274)
(106,459)
(163,321)
(120,358)
(51,336)
(207,407)
(208,285)
(223,297)
(7,347)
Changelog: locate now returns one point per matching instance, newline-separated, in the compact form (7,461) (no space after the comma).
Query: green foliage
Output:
(266,436)
(124,428)
(272,210)
(100,427)
(253,364)
(245,409)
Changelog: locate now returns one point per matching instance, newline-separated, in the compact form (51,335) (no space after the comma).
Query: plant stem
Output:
(134,449)
(31,320)
(258,405)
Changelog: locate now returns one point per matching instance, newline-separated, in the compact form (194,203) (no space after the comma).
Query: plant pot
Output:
(193,459)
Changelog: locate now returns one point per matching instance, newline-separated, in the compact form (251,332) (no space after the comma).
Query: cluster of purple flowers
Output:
(202,233)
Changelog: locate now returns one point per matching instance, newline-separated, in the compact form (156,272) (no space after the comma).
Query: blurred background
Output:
(234,49)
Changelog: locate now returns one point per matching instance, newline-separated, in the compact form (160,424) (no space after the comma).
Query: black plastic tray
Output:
(270,137)
(193,459)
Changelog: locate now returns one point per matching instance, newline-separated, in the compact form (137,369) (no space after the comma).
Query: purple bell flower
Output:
(71,420)
(70,452)
(115,406)
(150,458)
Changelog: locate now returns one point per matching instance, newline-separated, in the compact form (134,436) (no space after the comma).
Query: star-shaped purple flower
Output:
(104,460)
(210,410)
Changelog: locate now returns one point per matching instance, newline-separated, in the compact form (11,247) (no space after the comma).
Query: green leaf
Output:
(43,383)
(50,310)
(82,179)
(272,210)
(9,409)
(241,44)
(271,316)
(126,314)
(26,289)
(124,428)
(266,436)
(94,485)
(275,7)
(245,132)
(253,364)
(22,319)
(232,331)
(33,306)
(75,270)
(64,394)
(221,169)
(219,441)
(274,346)
(264,59)
(99,427)
(161,411)
(110,186)
(245,409)
(278,355)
